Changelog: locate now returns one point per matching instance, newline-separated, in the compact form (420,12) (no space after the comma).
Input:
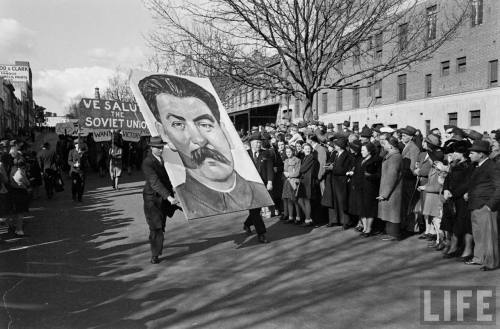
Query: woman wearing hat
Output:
(309,185)
(455,186)
(389,207)
(341,165)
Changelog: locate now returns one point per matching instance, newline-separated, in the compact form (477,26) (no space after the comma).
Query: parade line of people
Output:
(24,170)
(384,182)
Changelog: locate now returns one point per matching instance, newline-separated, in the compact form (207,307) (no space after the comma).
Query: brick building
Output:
(459,85)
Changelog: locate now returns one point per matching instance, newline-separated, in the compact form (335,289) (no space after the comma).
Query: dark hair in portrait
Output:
(154,85)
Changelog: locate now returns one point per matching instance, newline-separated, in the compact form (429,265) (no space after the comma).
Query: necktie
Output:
(255,155)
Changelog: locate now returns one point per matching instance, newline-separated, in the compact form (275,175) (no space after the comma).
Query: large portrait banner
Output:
(210,170)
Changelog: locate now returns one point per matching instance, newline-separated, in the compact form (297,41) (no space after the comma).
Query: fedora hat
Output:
(156,141)
(366,132)
(341,142)
(473,135)
(255,137)
(433,140)
(409,130)
(480,146)
(355,145)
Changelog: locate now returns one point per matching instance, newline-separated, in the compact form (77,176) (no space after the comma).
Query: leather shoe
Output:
(262,238)
(247,229)
(155,260)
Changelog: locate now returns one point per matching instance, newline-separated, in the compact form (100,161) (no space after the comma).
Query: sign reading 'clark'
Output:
(106,114)
(15,73)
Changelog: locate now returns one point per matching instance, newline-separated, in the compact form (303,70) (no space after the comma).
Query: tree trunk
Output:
(308,109)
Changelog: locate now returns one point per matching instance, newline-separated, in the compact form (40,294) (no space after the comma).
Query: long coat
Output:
(290,184)
(327,198)
(368,188)
(391,188)
(342,164)
(457,183)
(309,184)
(263,164)
(155,193)
(484,187)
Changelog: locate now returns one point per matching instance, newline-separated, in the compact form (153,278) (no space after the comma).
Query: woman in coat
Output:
(389,207)
(368,187)
(309,184)
(327,198)
(291,172)
(341,165)
(115,162)
(454,189)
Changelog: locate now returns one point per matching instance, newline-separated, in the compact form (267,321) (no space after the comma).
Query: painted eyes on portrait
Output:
(202,125)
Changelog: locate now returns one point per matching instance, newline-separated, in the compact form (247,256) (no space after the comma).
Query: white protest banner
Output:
(66,128)
(15,73)
(131,135)
(102,135)
(107,114)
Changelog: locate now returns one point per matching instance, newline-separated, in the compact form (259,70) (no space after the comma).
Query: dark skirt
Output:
(20,200)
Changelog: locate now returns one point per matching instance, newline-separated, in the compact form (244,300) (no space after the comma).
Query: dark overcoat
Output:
(155,193)
(327,199)
(309,183)
(368,187)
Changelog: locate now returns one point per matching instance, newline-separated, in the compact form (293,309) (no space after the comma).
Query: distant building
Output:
(17,108)
(458,86)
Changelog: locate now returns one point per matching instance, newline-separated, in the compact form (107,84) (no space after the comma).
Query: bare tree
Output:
(300,47)
(118,88)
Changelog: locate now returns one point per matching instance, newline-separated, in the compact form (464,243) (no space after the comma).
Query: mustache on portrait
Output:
(199,155)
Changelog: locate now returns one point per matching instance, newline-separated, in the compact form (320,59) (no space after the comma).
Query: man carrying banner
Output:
(189,121)
(158,195)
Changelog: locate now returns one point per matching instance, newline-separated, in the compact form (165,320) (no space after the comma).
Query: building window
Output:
(401,87)
(246,96)
(355,97)
(475,118)
(258,95)
(339,100)
(476,12)
(453,119)
(445,68)
(324,102)
(493,72)
(378,89)
(428,85)
(369,88)
(461,64)
(355,126)
(240,98)
(427,127)
(297,108)
(339,127)
(431,22)
(403,36)
(252,95)
(379,42)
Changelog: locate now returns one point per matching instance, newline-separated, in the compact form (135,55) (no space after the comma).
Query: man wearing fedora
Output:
(342,163)
(483,196)
(158,195)
(410,155)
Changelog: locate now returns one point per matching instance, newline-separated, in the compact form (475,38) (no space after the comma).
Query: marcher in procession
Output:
(115,162)
(77,164)
(47,161)
(158,195)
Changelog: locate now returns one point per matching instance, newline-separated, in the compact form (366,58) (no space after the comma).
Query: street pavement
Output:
(86,265)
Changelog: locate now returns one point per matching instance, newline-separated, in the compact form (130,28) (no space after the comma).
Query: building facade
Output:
(458,85)
(17,108)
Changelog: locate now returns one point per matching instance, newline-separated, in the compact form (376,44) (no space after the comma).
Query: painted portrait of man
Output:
(189,119)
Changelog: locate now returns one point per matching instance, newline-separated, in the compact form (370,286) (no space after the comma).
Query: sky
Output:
(73,46)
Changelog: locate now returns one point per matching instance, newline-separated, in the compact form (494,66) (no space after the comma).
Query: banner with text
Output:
(131,135)
(102,135)
(106,114)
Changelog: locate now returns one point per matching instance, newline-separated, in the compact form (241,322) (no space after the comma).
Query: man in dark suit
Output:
(158,195)
(47,162)
(264,165)
(484,199)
